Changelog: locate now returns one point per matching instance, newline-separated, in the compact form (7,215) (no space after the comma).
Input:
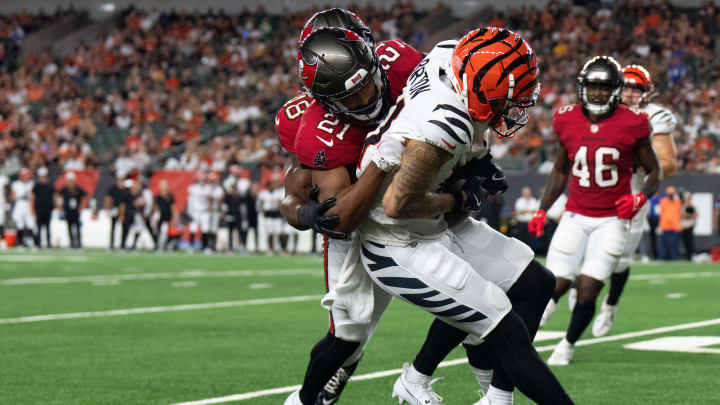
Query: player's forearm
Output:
(555,186)
(408,195)
(289,207)
(652,182)
(425,205)
(354,202)
(664,146)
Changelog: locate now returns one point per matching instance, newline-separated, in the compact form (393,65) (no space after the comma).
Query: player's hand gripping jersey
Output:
(324,142)
(601,155)
(429,111)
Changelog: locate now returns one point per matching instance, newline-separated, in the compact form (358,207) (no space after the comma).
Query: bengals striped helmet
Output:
(496,74)
(636,78)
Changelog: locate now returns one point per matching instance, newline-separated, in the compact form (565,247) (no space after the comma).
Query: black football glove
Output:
(475,193)
(494,178)
(312,215)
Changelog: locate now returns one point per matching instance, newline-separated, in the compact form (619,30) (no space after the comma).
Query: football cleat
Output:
(604,320)
(562,355)
(332,390)
(415,393)
(293,399)
(572,298)
(549,311)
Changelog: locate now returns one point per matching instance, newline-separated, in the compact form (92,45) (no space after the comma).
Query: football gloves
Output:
(475,193)
(493,177)
(312,215)
(629,205)
(536,226)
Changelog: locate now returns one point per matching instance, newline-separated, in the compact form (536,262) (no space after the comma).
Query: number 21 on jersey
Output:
(605,174)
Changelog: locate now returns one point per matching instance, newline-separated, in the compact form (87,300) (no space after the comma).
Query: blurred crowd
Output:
(159,86)
(677,45)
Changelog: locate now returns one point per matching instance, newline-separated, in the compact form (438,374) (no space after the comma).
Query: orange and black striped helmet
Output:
(638,77)
(497,75)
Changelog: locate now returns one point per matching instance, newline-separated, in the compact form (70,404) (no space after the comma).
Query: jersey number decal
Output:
(330,124)
(581,169)
(389,55)
(296,110)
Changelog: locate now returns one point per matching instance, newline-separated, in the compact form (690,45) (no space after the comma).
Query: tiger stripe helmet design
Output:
(638,77)
(496,74)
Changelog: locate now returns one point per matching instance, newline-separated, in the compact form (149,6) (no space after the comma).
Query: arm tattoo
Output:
(410,187)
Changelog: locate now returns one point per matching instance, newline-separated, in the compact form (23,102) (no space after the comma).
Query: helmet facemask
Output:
(371,113)
(599,108)
(510,113)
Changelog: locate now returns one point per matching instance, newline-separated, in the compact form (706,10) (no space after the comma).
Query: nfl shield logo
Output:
(319,160)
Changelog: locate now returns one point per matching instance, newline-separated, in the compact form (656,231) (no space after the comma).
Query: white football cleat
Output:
(549,311)
(483,401)
(562,355)
(572,298)
(604,320)
(415,393)
(293,399)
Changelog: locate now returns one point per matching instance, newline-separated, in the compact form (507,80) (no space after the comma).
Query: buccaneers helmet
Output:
(339,18)
(335,64)
(603,71)
(637,77)
(496,74)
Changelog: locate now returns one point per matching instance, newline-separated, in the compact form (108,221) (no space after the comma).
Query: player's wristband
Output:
(458,203)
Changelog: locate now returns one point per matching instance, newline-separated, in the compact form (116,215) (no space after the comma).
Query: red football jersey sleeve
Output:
(324,142)
(287,120)
(398,59)
(601,155)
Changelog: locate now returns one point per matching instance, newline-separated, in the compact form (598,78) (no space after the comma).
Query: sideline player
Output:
(3,207)
(599,140)
(329,141)
(470,277)
(198,208)
(22,212)
(637,93)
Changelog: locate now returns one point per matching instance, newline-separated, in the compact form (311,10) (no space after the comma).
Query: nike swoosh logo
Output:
(326,402)
(329,144)
(449,146)
(495,178)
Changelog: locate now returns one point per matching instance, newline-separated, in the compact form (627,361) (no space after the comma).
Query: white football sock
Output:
(483,377)
(499,397)
(416,377)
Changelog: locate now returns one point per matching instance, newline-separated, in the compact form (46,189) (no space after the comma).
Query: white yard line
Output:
(662,276)
(388,373)
(157,276)
(149,310)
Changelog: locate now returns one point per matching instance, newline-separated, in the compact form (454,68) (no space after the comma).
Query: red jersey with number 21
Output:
(324,142)
(601,155)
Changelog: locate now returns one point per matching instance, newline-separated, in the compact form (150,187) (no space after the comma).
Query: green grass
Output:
(176,356)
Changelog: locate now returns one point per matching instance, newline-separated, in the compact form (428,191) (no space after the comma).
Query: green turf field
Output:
(193,327)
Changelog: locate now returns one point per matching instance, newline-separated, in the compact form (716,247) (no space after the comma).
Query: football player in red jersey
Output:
(353,86)
(598,141)
(637,93)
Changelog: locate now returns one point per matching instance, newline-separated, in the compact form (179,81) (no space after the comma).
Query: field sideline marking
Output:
(388,373)
(254,273)
(169,308)
(158,276)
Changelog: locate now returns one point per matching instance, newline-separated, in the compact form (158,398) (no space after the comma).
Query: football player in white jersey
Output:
(22,214)
(197,208)
(471,276)
(215,195)
(268,203)
(3,207)
(637,92)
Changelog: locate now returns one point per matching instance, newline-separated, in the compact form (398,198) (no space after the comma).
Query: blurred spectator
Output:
(689,216)
(525,207)
(268,204)
(231,215)
(4,182)
(165,206)
(653,222)
(73,199)
(670,224)
(113,199)
(43,195)
(23,214)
